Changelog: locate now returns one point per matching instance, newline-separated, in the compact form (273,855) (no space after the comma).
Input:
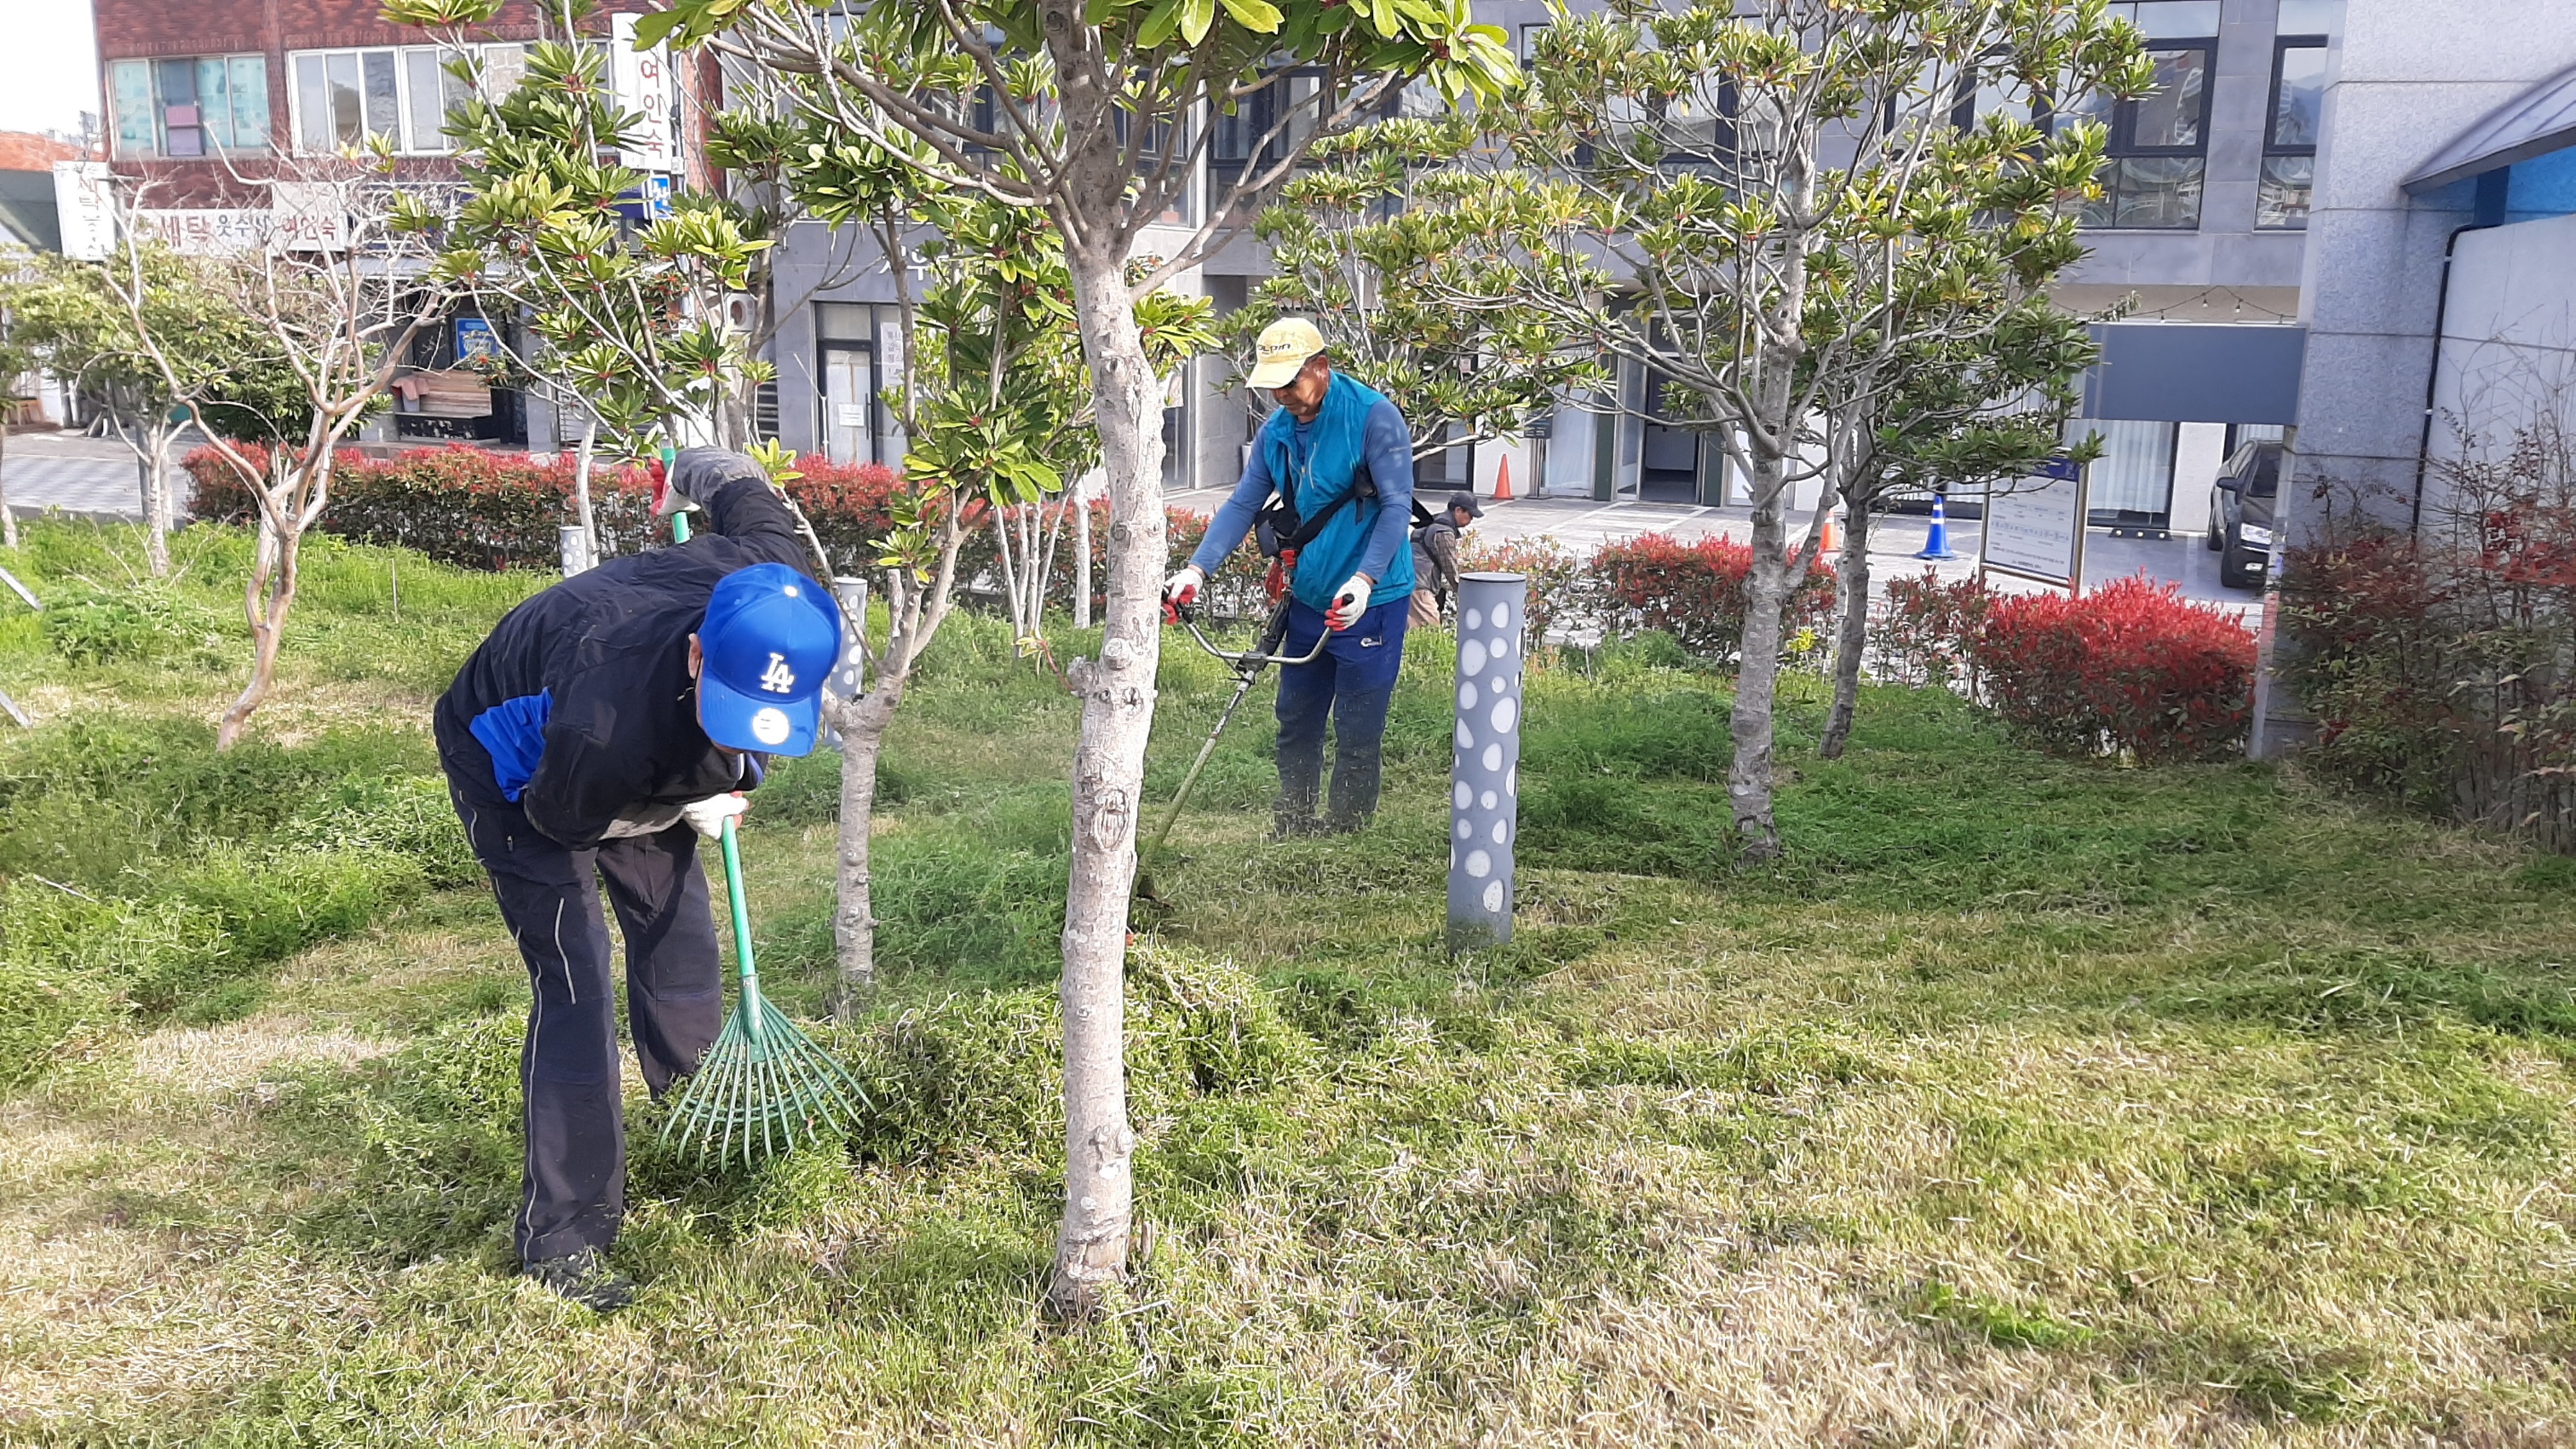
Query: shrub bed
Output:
(2441,666)
(2129,667)
(1695,592)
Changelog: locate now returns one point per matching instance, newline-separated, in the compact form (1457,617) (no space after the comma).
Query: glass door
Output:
(849,404)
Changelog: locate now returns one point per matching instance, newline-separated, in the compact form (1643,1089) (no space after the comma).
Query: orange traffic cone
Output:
(1831,543)
(1503,482)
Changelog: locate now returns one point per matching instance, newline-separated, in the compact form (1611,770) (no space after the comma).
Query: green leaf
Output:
(654,26)
(1159,24)
(1196,18)
(1258,16)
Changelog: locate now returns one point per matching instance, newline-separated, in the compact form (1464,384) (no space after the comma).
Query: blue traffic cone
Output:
(1938,545)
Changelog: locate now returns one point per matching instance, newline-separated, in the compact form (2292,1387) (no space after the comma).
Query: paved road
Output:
(69,473)
(1583,525)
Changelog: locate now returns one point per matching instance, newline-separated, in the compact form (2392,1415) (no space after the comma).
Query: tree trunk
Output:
(862,723)
(154,460)
(8,520)
(270,595)
(1081,559)
(1855,631)
(1748,775)
(1108,779)
(581,486)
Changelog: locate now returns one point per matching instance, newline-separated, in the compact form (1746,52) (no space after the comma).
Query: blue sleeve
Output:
(1234,519)
(1389,446)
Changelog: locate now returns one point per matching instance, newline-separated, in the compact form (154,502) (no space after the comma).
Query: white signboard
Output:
(205,232)
(643,84)
(87,209)
(310,216)
(2036,530)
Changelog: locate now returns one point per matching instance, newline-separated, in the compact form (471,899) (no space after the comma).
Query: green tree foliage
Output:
(1369,244)
(1755,202)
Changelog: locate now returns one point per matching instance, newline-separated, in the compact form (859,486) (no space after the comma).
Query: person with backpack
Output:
(1329,486)
(1435,557)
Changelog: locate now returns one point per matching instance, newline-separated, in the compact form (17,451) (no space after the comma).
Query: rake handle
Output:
(742,934)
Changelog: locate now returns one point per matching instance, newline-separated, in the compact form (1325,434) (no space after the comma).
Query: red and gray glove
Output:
(1349,602)
(1180,591)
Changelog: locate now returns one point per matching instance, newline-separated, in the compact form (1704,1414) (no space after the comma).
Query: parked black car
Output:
(2240,513)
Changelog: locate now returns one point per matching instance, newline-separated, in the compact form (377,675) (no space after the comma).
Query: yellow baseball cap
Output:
(1282,352)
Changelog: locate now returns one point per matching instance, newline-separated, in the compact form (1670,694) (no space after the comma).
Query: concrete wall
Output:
(2410,75)
(2508,341)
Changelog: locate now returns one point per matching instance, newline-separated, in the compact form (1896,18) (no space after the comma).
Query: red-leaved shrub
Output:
(2441,665)
(2130,666)
(1927,630)
(1695,592)
(1556,578)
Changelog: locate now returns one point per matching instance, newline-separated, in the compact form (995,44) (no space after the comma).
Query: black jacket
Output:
(580,708)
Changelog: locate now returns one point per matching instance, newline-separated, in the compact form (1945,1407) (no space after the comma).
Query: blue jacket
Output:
(579,707)
(1356,426)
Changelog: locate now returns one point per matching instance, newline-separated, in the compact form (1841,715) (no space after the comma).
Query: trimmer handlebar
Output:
(1259,655)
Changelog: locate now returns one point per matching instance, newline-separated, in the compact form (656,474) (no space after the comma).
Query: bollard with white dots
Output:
(573,541)
(1484,774)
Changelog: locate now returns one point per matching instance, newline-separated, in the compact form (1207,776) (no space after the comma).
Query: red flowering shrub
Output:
(1928,630)
(481,509)
(1695,592)
(2441,666)
(1556,578)
(2128,666)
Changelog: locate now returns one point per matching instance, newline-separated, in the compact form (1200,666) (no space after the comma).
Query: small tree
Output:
(1979,392)
(70,316)
(1368,245)
(1093,112)
(1750,181)
(17,359)
(338,319)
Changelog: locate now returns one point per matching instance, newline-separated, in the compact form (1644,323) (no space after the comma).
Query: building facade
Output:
(206,104)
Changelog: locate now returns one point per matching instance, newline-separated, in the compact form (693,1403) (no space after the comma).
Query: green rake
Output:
(763,1088)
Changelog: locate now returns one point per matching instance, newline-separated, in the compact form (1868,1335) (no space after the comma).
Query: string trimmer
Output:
(763,1087)
(1247,666)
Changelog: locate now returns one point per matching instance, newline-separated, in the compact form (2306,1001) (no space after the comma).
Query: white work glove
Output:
(1349,602)
(707,817)
(1182,590)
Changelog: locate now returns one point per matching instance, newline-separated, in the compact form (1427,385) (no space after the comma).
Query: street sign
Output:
(476,342)
(643,81)
(87,209)
(2035,530)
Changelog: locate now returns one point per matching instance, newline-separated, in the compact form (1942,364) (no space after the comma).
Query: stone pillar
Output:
(1484,773)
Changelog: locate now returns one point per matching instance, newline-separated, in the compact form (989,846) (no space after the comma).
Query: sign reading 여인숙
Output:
(643,83)
(2035,530)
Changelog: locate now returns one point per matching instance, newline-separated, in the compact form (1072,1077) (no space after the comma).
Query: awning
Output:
(2535,123)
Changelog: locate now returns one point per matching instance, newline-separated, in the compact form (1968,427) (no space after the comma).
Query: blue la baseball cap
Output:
(770,639)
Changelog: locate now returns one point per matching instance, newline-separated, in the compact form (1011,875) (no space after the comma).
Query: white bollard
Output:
(1484,773)
(574,542)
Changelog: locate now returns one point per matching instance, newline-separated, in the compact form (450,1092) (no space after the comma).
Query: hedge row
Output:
(2131,667)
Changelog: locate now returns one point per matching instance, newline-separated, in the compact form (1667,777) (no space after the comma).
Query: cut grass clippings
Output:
(2026,1101)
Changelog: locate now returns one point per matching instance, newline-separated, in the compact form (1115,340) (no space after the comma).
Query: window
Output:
(2290,128)
(2159,143)
(215,105)
(404,94)
(2131,484)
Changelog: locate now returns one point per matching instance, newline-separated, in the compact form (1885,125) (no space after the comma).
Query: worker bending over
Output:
(604,726)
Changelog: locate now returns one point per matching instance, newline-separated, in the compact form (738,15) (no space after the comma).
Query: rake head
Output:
(762,1089)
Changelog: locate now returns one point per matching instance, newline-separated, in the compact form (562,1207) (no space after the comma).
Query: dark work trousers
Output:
(1352,681)
(574,1188)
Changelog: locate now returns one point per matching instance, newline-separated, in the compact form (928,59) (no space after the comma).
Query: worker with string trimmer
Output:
(1329,486)
(605,725)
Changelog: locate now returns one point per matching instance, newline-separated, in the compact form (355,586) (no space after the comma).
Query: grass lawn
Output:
(2028,1102)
